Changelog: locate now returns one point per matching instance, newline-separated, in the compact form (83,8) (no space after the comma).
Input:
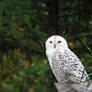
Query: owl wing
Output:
(74,67)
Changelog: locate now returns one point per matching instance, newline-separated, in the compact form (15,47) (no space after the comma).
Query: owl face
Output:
(55,42)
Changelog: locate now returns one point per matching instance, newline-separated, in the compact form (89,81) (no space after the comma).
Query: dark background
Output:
(24,27)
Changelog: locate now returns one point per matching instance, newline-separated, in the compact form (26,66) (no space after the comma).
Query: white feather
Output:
(65,65)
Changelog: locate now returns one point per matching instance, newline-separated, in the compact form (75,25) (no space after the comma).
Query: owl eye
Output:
(50,41)
(59,41)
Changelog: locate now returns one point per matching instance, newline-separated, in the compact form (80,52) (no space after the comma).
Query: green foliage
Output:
(24,28)
(40,74)
(19,75)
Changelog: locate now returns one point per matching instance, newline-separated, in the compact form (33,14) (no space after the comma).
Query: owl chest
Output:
(58,61)
(58,69)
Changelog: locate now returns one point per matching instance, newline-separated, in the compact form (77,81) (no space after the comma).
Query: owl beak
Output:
(54,45)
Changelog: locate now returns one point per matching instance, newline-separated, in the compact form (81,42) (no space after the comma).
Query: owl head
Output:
(55,42)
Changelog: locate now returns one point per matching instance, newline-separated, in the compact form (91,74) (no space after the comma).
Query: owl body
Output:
(68,69)
(66,66)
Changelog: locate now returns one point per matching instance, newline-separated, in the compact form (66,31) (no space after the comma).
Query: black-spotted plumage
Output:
(66,66)
(68,70)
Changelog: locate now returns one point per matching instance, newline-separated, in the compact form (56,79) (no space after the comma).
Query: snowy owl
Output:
(66,66)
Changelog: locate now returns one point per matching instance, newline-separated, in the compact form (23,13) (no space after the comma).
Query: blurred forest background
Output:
(24,27)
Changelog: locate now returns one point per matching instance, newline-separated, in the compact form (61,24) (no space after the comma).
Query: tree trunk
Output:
(53,17)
